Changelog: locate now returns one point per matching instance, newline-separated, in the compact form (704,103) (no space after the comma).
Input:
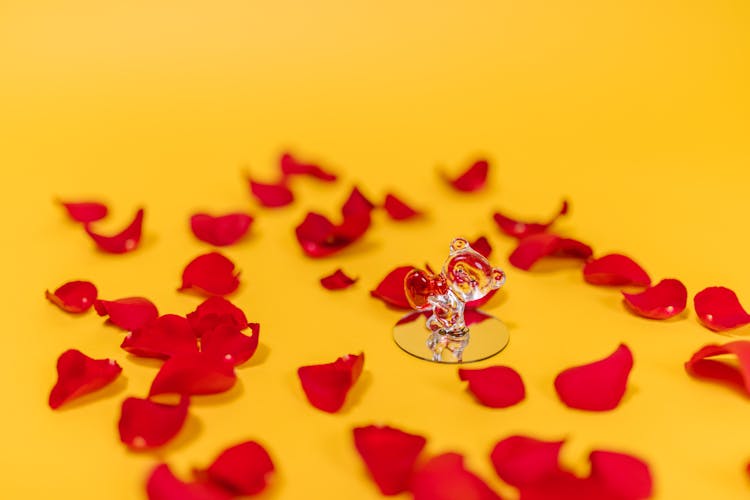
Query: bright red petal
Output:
(615,270)
(494,386)
(518,229)
(124,241)
(444,477)
(472,179)
(163,485)
(719,309)
(337,281)
(664,300)
(87,211)
(243,469)
(130,313)
(74,297)
(733,375)
(389,454)
(162,338)
(145,424)
(327,385)
(475,316)
(222,230)
(193,373)
(228,343)
(535,247)
(319,237)
(622,476)
(78,374)
(523,461)
(210,274)
(597,386)
(271,195)
(291,166)
(391,289)
(215,311)
(398,210)
(356,204)
(482,245)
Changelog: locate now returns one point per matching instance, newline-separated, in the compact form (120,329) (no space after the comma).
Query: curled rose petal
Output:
(292,166)
(210,274)
(533,248)
(391,289)
(482,245)
(271,195)
(319,237)
(444,477)
(494,386)
(597,386)
(78,374)
(145,424)
(522,461)
(664,300)
(327,385)
(736,376)
(243,469)
(518,229)
(621,475)
(220,231)
(163,485)
(615,270)
(356,204)
(130,313)
(719,309)
(473,179)
(390,455)
(215,311)
(74,297)
(397,209)
(228,343)
(193,373)
(162,338)
(122,242)
(337,281)
(86,211)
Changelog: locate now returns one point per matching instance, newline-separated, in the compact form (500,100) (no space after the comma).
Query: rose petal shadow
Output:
(677,317)
(356,393)
(551,264)
(724,373)
(143,361)
(225,397)
(116,387)
(260,356)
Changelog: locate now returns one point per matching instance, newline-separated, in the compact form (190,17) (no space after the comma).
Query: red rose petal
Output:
(391,289)
(523,461)
(412,316)
(130,313)
(163,485)
(271,195)
(78,374)
(291,166)
(518,229)
(397,209)
(210,274)
(494,386)
(122,242)
(215,311)
(664,300)
(243,469)
(228,343)
(482,245)
(389,454)
(534,247)
(737,377)
(220,231)
(474,316)
(193,373)
(87,211)
(719,309)
(337,281)
(145,424)
(356,204)
(597,386)
(319,237)
(444,477)
(615,270)
(162,338)
(473,179)
(74,297)
(622,476)
(327,385)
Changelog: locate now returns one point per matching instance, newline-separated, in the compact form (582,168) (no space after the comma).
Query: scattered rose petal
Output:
(220,231)
(356,204)
(474,316)
(398,210)
(389,454)
(78,374)
(494,386)
(615,270)
(621,475)
(597,386)
(210,274)
(162,338)
(327,385)
(215,311)
(482,245)
(719,309)
(664,300)
(736,376)
(518,229)
(337,281)
(243,469)
(473,179)
(271,195)
(444,477)
(130,313)
(319,237)
(291,166)
(228,343)
(163,485)
(413,316)
(87,211)
(145,424)
(535,247)
(192,374)
(523,461)
(74,297)
(122,242)
(391,289)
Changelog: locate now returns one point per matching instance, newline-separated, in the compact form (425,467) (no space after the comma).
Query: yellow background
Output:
(637,111)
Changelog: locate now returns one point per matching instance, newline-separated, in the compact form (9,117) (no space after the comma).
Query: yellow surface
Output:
(638,112)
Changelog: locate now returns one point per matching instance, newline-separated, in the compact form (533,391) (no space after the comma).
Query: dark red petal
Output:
(389,454)
(86,211)
(78,374)
(356,204)
(398,210)
(473,179)
(719,309)
(222,230)
(124,241)
(271,195)
(215,311)
(494,386)
(337,281)
(193,373)
(243,469)
(622,476)
(615,270)
(534,247)
(391,289)
(228,343)
(291,166)
(319,237)
(163,485)
(518,229)
(664,300)
(482,245)
(733,375)
(130,313)
(474,316)
(210,274)
(145,424)
(523,461)
(327,385)
(74,297)
(597,386)
(444,477)
(162,338)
